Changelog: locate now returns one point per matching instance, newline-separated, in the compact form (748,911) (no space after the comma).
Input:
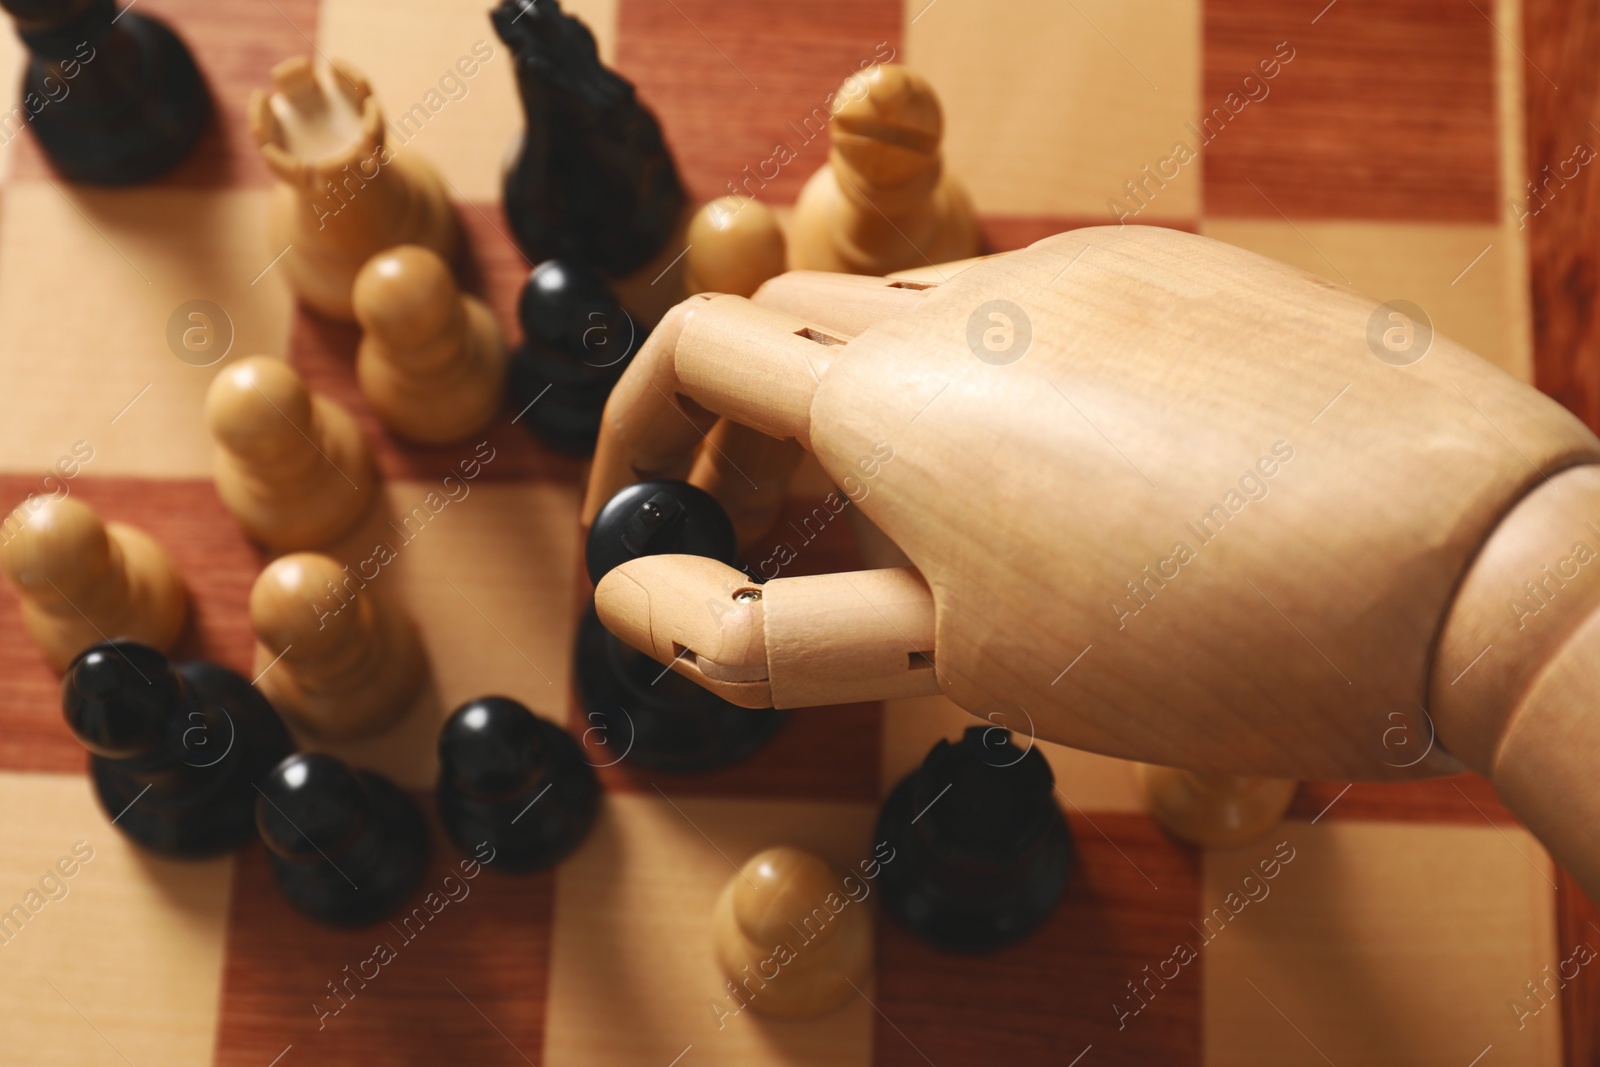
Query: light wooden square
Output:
(489,582)
(1050,107)
(405,47)
(91,278)
(1084,780)
(127,966)
(1380,943)
(1476,301)
(632,976)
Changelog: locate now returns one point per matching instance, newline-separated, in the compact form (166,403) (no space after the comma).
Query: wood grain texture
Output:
(681,54)
(1003,233)
(121,962)
(1129,903)
(466,983)
(634,979)
(1466,799)
(1386,111)
(1561,40)
(1044,119)
(1578,922)
(1144,326)
(94,278)
(1319,933)
(1051,108)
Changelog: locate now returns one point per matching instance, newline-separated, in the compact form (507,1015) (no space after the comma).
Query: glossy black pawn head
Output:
(492,749)
(651,716)
(577,341)
(568,308)
(514,789)
(119,699)
(311,807)
(175,751)
(347,847)
(658,518)
(981,851)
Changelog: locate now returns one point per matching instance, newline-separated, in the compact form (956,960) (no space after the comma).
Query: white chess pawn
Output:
(432,361)
(82,581)
(789,935)
(735,244)
(883,201)
(1214,810)
(336,658)
(292,467)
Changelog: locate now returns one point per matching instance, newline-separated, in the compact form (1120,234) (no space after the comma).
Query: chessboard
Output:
(1383,144)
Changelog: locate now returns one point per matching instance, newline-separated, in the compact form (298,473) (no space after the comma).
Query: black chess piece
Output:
(175,752)
(591,179)
(639,709)
(516,782)
(577,341)
(655,519)
(347,846)
(981,851)
(113,97)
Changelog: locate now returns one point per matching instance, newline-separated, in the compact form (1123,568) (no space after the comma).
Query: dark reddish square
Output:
(1466,798)
(731,81)
(1129,904)
(1386,110)
(465,982)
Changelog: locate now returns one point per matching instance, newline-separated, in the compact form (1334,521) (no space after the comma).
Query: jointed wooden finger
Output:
(748,473)
(848,303)
(794,642)
(720,355)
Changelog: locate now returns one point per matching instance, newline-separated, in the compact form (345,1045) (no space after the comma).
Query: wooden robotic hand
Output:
(1166,500)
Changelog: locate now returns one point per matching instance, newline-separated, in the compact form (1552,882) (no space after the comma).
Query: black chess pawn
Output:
(591,179)
(175,752)
(636,707)
(347,847)
(577,341)
(981,851)
(515,782)
(113,97)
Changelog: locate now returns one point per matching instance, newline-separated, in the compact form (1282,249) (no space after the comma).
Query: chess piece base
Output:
(137,138)
(544,832)
(326,896)
(827,231)
(366,704)
(962,923)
